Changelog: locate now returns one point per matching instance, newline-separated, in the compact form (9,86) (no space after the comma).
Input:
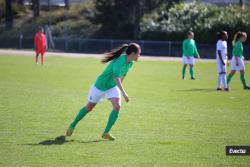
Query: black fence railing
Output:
(79,45)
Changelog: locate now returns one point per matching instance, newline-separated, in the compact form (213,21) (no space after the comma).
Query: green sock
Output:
(183,71)
(191,70)
(79,116)
(111,121)
(242,78)
(229,77)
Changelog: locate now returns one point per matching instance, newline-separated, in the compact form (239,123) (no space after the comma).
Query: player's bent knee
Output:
(89,107)
(117,107)
(242,72)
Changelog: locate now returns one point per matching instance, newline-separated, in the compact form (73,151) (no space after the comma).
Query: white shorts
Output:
(220,67)
(240,66)
(188,60)
(96,95)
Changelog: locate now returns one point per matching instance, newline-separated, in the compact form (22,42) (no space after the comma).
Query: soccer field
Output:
(168,121)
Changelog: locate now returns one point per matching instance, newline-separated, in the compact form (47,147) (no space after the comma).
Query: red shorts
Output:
(40,50)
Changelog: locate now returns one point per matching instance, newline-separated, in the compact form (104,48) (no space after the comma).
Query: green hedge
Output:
(204,19)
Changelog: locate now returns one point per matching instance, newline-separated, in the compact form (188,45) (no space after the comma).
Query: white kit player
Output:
(221,59)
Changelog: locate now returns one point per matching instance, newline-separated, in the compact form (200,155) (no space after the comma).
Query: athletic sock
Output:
(243,80)
(219,81)
(183,71)
(229,77)
(79,116)
(191,70)
(224,80)
(111,121)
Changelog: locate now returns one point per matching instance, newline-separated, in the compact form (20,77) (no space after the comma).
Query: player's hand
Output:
(126,97)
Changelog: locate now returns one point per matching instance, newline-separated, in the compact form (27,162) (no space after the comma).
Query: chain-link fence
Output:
(81,45)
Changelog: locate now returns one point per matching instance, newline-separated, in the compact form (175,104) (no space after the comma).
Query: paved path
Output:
(85,55)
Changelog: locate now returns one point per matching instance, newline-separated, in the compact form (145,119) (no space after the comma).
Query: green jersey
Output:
(189,48)
(117,68)
(238,49)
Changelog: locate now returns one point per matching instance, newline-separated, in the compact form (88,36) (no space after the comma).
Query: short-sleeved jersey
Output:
(117,68)
(189,48)
(40,40)
(238,49)
(222,46)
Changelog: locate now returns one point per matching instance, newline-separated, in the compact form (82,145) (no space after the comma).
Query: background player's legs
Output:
(230,76)
(191,70)
(42,58)
(184,71)
(224,80)
(37,54)
(219,81)
(243,80)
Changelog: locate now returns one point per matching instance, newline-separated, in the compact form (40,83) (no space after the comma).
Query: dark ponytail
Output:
(113,54)
(127,48)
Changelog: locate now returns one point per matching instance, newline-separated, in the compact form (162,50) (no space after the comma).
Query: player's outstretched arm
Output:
(119,84)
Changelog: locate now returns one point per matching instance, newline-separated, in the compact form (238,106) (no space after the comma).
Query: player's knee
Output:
(89,108)
(117,107)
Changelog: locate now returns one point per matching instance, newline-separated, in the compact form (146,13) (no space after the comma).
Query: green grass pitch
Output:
(168,121)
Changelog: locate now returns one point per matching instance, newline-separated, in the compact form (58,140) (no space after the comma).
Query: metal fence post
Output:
(79,44)
(111,44)
(85,45)
(142,45)
(20,39)
(169,48)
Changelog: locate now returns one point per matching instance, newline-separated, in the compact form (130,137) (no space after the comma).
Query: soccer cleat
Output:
(226,89)
(247,88)
(192,78)
(108,136)
(183,78)
(219,89)
(69,131)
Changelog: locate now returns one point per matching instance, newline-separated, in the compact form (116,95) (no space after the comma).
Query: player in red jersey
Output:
(40,44)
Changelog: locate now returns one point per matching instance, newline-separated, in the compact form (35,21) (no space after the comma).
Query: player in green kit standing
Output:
(109,84)
(189,52)
(237,62)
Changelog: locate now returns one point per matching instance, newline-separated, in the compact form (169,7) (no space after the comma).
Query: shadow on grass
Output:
(198,90)
(93,141)
(60,140)
(57,141)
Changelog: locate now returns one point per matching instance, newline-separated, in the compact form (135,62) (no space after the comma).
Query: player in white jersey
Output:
(221,59)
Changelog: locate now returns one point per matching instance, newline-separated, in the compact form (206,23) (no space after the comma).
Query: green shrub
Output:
(205,19)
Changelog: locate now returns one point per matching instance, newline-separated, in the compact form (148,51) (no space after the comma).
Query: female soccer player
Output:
(40,44)
(109,84)
(237,62)
(189,50)
(221,59)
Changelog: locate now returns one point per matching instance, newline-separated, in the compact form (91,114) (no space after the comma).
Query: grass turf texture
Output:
(168,122)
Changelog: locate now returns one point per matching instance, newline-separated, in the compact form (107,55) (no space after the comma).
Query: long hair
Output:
(237,36)
(114,54)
